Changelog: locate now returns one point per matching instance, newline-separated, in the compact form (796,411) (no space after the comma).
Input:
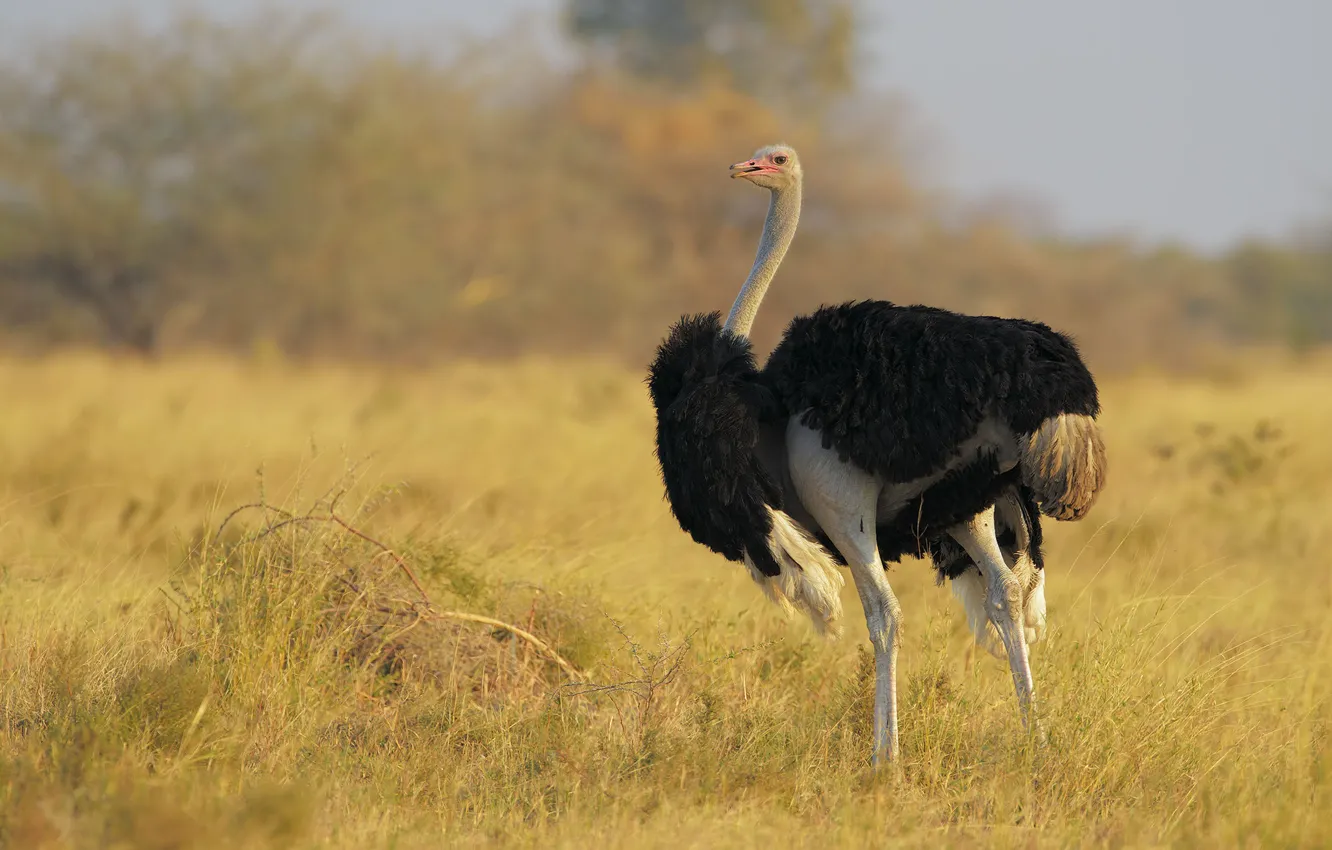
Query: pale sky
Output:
(1193,120)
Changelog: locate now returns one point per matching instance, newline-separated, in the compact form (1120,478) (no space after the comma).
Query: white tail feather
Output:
(969,589)
(1063,461)
(809,580)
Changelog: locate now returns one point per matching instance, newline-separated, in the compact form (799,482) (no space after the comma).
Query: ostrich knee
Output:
(889,638)
(1004,599)
(883,614)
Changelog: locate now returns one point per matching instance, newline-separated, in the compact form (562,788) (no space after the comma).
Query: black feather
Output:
(1031,514)
(710,400)
(956,498)
(896,390)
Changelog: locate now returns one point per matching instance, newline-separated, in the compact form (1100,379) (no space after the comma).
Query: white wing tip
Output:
(809,581)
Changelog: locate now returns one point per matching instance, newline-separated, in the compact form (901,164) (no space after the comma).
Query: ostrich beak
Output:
(749,166)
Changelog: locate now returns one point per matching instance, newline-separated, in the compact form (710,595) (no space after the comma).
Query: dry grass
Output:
(162,685)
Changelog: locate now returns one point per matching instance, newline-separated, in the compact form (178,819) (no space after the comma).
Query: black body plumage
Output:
(710,399)
(896,390)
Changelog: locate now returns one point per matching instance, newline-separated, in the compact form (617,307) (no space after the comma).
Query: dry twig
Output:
(429,611)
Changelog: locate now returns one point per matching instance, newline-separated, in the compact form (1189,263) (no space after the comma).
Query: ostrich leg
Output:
(1003,600)
(882,616)
(844,500)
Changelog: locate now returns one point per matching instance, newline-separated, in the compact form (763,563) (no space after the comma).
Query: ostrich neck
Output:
(778,231)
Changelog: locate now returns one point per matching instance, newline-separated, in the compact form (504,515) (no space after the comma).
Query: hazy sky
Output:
(1197,120)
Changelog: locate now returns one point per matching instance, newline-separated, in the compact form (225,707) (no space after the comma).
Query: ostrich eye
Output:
(780,159)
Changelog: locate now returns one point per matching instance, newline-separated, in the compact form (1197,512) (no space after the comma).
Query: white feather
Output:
(809,581)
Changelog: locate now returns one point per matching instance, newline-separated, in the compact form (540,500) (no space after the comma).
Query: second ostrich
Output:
(876,430)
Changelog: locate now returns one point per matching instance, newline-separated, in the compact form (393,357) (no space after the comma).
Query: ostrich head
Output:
(774,167)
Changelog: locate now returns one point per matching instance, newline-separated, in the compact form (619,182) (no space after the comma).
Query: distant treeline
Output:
(286,184)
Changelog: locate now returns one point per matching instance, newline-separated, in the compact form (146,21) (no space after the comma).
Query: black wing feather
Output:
(710,399)
(896,389)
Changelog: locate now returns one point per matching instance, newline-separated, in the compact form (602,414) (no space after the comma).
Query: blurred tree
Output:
(127,158)
(790,51)
(1283,290)
(283,181)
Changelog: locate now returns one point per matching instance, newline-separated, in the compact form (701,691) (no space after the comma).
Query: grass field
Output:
(170,682)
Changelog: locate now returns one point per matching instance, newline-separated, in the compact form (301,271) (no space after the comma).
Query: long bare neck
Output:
(778,231)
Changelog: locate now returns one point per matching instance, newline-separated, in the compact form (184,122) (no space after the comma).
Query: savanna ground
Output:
(175,678)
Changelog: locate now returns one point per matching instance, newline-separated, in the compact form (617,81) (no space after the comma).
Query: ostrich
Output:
(874,431)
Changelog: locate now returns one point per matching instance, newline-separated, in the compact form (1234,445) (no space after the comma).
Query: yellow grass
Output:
(163,686)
